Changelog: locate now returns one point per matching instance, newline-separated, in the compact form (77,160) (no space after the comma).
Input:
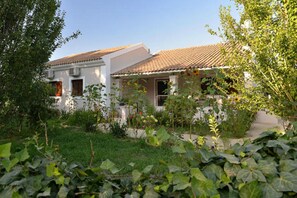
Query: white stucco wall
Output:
(130,58)
(120,60)
(89,75)
(95,72)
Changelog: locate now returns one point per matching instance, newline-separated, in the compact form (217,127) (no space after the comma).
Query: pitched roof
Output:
(85,56)
(208,56)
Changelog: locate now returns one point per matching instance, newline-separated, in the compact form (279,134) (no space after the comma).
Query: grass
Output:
(74,144)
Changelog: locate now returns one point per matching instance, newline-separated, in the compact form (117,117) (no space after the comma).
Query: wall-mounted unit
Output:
(50,74)
(75,71)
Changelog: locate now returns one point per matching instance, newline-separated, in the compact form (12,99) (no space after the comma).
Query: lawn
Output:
(74,144)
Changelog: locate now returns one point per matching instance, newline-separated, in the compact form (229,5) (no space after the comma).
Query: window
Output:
(56,88)
(162,91)
(207,85)
(77,87)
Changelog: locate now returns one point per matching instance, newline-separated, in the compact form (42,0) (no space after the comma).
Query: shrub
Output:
(238,122)
(118,130)
(87,119)
(162,117)
(181,109)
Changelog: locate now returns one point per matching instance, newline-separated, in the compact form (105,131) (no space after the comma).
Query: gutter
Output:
(94,63)
(165,72)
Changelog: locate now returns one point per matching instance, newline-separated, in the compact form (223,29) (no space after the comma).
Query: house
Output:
(71,74)
(167,66)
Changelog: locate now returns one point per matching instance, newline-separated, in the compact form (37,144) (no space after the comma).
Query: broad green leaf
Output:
(9,177)
(46,193)
(162,135)
(251,163)
(107,165)
(252,148)
(206,155)
(205,188)
(153,141)
(169,177)
(52,170)
(251,189)
(147,169)
(180,181)
(150,192)
(287,165)
(231,169)
(132,164)
(133,195)
(5,150)
(179,149)
(213,172)
(249,175)
(164,187)
(136,175)
(33,184)
(237,149)
(35,164)
(22,155)
(196,172)
(173,168)
(277,143)
(266,135)
(269,191)
(285,183)
(63,192)
(60,180)
(6,193)
(230,158)
(106,190)
(16,195)
(9,164)
(267,168)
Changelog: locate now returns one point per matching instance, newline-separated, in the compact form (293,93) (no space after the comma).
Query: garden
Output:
(86,152)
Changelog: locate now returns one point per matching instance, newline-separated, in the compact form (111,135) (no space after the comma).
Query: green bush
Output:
(238,122)
(118,130)
(87,119)
(162,117)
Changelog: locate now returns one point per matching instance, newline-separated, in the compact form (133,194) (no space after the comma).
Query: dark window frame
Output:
(77,87)
(57,87)
(161,95)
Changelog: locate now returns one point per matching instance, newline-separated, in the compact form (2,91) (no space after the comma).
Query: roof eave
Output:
(165,72)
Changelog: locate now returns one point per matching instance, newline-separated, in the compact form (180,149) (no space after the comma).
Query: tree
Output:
(30,30)
(263,45)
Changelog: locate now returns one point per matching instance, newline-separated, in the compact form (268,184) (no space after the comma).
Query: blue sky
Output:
(159,24)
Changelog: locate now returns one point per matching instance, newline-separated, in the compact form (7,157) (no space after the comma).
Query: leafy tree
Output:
(263,55)
(30,30)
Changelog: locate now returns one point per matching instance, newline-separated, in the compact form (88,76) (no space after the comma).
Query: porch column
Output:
(117,84)
(173,79)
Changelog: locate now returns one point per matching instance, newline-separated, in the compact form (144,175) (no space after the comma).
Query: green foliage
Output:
(265,167)
(29,34)
(118,130)
(181,109)
(156,139)
(85,119)
(96,101)
(262,50)
(237,122)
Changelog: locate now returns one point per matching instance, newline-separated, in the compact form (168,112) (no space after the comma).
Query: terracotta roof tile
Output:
(85,56)
(179,59)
